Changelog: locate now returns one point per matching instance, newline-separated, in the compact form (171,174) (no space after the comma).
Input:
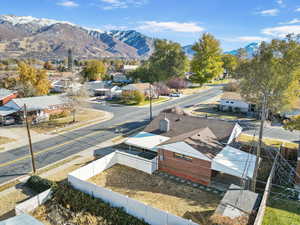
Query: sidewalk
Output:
(22,139)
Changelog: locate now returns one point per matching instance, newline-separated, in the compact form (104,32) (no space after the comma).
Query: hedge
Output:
(39,184)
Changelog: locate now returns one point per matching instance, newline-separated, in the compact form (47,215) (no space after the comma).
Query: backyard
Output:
(159,192)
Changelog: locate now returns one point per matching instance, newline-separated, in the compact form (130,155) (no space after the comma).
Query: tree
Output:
(94,70)
(132,97)
(271,80)
(207,62)
(70,60)
(273,73)
(76,100)
(177,83)
(230,63)
(32,82)
(168,60)
(293,124)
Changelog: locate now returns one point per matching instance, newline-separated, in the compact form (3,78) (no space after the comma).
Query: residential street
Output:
(17,162)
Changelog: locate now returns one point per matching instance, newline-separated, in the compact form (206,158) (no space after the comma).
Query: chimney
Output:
(164,124)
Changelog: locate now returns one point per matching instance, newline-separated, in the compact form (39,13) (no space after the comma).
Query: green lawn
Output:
(282,212)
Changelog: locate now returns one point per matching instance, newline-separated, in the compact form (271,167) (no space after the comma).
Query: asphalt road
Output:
(16,162)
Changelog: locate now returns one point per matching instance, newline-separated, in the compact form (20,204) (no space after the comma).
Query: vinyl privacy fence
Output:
(78,179)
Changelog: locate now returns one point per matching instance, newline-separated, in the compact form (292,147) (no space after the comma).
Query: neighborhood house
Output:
(103,89)
(144,88)
(38,108)
(233,102)
(197,149)
(7,95)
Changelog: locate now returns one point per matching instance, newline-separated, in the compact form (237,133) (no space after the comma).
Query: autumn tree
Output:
(293,124)
(272,75)
(230,63)
(32,82)
(207,61)
(94,70)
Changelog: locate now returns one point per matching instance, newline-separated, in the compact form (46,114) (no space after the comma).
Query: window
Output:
(231,102)
(181,156)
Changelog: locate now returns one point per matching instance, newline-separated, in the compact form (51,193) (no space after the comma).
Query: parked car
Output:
(175,95)
(8,120)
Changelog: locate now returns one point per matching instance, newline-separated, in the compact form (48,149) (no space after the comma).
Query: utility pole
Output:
(29,139)
(150,99)
(258,151)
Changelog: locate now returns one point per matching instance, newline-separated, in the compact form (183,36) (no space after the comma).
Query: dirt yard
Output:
(178,199)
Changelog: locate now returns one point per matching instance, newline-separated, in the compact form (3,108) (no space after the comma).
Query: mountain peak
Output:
(19,20)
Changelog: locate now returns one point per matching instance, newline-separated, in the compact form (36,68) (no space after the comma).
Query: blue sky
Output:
(234,22)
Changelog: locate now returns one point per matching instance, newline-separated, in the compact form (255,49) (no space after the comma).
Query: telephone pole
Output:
(29,139)
(150,99)
(258,151)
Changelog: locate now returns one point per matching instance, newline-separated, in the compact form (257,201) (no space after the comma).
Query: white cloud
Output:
(280,2)
(282,31)
(246,39)
(293,21)
(170,26)
(70,4)
(297,10)
(115,4)
(269,12)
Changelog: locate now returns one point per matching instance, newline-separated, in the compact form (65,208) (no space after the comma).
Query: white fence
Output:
(32,203)
(138,209)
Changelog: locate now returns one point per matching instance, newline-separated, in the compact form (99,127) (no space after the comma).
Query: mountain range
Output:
(250,50)
(26,36)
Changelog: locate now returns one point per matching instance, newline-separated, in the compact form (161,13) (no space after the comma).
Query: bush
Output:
(39,184)
(232,87)
(62,114)
(77,202)
(132,97)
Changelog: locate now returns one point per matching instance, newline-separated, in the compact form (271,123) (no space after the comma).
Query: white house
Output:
(233,101)
(103,89)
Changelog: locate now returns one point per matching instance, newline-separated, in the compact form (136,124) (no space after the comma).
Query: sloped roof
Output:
(137,86)
(234,162)
(146,140)
(5,93)
(185,149)
(40,102)
(181,123)
(237,202)
(203,140)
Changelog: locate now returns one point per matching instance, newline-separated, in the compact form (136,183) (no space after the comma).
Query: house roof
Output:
(146,140)
(228,95)
(39,102)
(202,140)
(180,123)
(237,202)
(234,162)
(5,93)
(185,149)
(137,86)
(23,219)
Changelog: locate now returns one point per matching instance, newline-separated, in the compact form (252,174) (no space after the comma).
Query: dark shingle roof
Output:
(181,123)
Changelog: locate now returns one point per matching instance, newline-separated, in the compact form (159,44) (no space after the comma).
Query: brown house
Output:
(194,148)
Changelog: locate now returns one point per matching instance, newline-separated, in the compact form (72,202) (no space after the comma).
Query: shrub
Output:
(77,202)
(132,97)
(62,114)
(39,184)
(232,87)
